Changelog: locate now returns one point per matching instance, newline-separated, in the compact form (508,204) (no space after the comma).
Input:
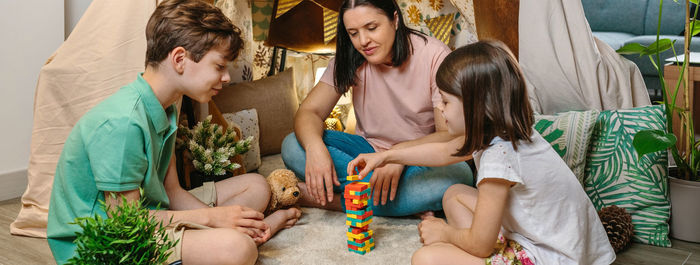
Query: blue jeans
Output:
(420,188)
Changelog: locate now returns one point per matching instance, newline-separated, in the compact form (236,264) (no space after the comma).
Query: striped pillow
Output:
(569,133)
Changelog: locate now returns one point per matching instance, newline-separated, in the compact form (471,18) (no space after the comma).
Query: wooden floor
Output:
(20,250)
(26,251)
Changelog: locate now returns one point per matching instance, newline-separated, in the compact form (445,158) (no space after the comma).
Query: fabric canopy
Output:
(105,51)
(569,69)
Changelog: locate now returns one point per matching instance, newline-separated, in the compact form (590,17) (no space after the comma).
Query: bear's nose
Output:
(296,194)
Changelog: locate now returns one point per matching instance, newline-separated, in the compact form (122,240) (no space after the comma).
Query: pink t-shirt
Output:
(395,104)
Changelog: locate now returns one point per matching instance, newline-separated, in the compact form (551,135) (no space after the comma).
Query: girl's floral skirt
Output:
(508,252)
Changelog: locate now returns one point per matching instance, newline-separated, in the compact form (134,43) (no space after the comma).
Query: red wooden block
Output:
(357,186)
(362,240)
(357,230)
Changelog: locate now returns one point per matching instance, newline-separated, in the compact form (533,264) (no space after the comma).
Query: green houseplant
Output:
(687,157)
(682,143)
(129,236)
(211,147)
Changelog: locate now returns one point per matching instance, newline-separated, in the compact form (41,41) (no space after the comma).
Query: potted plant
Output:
(130,235)
(682,144)
(210,148)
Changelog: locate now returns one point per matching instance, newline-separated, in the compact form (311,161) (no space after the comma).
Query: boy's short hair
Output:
(192,24)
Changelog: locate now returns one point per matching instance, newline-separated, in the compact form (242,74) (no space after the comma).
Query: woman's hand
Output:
(320,174)
(384,180)
(433,230)
(242,219)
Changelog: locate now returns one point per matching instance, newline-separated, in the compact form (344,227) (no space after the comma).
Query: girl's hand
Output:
(365,163)
(320,174)
(433,230)
(384,180)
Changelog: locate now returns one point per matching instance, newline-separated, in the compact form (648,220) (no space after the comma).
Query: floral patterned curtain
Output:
(449,20)
(240,14)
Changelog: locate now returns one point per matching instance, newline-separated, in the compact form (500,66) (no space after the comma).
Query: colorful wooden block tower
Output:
(359,216)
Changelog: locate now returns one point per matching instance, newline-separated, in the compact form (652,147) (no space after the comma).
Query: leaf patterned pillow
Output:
(614,175)
(569,133)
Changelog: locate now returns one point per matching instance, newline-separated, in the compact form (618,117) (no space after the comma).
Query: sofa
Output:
(620,22)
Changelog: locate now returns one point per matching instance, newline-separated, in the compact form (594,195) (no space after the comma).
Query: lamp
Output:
(307,26)
(304,25)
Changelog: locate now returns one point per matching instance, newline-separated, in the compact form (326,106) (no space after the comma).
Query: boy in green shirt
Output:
(126,142)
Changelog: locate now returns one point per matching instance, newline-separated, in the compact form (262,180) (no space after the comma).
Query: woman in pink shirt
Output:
(391,69)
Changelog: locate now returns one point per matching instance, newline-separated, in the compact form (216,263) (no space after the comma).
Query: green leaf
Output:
(695,2)
(696,27)
(631,48)
(650,141)
(658,47)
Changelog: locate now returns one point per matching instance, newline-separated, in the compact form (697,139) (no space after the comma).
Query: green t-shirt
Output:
(123,143)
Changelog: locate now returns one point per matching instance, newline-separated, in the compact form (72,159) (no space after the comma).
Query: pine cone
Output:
(618,225)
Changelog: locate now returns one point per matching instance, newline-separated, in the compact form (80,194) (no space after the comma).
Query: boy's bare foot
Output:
(283,218)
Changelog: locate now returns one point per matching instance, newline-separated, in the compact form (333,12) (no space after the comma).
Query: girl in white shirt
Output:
(528,200)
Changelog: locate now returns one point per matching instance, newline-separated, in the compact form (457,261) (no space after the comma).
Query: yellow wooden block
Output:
(352,177)
(360,202)
(366,248)
(356,224)
(353,216)
(361,235)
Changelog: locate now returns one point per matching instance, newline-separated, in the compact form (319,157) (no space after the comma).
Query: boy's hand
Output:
(320,174)
(433,230)
(241,218)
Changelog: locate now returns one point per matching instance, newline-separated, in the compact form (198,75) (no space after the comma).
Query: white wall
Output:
(74,10)
(31,31)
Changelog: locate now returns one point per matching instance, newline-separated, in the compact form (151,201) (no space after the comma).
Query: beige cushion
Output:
(275,100)
(247,123)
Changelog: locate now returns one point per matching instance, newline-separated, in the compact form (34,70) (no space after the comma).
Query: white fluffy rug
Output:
(319,238)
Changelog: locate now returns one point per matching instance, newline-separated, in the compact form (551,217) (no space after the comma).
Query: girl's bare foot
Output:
(283,218)
(426,214)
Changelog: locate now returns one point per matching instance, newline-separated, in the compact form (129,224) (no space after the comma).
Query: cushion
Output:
(271,163)
(247,122)
(275,100)
(570,135)
(615,176)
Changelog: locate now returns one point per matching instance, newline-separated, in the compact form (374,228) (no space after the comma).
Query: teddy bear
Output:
(284,190)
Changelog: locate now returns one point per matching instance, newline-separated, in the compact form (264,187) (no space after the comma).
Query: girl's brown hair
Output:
(194,25)
(486,76)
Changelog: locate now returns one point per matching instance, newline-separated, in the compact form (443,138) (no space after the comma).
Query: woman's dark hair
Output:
(486,76)
(348,59)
